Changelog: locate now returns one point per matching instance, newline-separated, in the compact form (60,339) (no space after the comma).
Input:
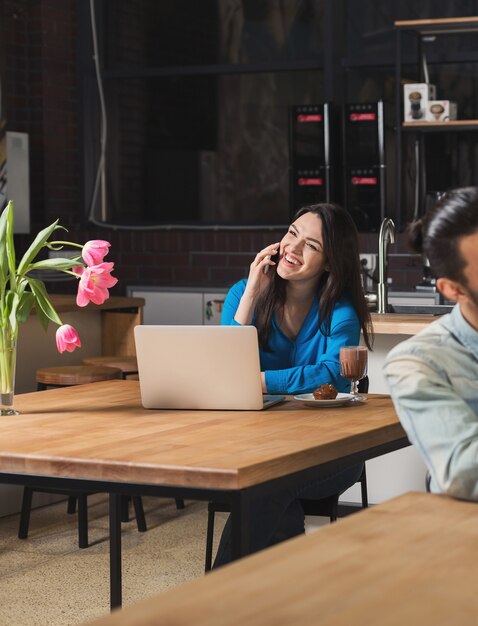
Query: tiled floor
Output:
(47,580)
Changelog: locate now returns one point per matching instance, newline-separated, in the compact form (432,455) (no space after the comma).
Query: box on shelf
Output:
(416,97)
(441,111)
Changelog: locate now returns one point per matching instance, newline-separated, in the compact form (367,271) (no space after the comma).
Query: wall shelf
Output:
(441,26)
(437,127)
(425,32)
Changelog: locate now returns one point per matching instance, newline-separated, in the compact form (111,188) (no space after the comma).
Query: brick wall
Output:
(41,97)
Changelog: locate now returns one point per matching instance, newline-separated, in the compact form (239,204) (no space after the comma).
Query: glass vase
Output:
(8,357)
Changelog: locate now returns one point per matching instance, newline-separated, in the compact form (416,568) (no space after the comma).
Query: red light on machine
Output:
(317,182)
(309,118)
(362,117)
(362,180)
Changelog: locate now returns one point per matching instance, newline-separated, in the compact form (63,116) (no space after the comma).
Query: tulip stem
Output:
(61,243)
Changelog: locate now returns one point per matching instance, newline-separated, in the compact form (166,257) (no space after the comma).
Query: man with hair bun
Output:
(433,376)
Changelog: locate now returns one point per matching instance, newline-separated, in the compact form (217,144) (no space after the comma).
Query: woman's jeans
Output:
(280,516)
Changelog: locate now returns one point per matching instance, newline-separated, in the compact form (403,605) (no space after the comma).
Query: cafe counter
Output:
(394,324)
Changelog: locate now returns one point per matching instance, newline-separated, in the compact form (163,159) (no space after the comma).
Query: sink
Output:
(420,309)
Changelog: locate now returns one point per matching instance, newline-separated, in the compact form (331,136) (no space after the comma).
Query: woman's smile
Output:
(290,260)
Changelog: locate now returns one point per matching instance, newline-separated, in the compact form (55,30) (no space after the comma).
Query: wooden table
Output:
(98,438)
(411,560)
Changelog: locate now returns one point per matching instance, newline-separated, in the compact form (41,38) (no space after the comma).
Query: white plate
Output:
(309,400)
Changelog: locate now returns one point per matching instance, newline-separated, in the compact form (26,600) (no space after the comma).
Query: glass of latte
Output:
(353,367)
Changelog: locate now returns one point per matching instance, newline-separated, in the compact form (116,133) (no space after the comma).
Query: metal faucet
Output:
(386,236)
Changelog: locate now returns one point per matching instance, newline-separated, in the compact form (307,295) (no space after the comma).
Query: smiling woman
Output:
(306,307)
(310,303)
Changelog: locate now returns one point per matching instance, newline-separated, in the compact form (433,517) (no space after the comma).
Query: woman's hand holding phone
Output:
(266,259)
(259,272)
(274,259)
(258,279)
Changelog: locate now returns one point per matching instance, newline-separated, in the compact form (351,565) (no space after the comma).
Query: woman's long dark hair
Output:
(438,233)
(340,246)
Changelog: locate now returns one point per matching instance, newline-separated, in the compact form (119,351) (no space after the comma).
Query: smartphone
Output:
(274,258)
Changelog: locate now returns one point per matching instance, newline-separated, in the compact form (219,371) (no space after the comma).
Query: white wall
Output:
(398,472)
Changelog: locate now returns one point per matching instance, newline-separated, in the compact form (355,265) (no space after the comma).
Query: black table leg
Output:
(115,551)
(82,520)
(240,520)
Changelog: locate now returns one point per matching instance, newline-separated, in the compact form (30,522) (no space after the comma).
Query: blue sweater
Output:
(302,365)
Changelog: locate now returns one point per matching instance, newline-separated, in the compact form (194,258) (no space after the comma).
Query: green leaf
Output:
(36,246)
(59,264)
(24,308)
(3,242)
(12,301)
(11,249)
(44,308)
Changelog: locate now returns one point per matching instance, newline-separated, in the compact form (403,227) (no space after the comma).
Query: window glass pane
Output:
(369,84)
(202,148)
(205,32)
(369,29)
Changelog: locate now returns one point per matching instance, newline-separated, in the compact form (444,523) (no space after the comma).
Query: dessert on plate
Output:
(325,392)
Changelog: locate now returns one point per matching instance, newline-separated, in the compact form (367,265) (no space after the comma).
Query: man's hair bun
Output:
(415,235)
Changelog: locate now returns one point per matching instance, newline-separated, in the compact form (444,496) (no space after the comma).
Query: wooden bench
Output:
(411,560)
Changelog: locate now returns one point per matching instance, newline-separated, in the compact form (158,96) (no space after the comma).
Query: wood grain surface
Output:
(124,363)
(396,324)
(440,21)
(67,302)
(117,332)
(101,431)
(76,374)
(410,561)
(451,123)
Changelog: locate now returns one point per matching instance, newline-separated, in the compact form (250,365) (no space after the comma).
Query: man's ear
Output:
(451,289)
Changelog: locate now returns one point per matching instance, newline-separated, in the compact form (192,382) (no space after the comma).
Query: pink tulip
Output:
(94,283)
(94,251)
(67,338)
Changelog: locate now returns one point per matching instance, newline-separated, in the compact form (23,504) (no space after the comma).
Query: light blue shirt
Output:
(433,380)
(303,364)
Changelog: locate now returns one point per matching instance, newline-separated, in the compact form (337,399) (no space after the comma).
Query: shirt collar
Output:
(462,330)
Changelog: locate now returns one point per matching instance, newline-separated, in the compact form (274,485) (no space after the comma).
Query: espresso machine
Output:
(364,167)
(312,156)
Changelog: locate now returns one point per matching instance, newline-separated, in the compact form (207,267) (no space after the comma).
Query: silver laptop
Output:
(200,367)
